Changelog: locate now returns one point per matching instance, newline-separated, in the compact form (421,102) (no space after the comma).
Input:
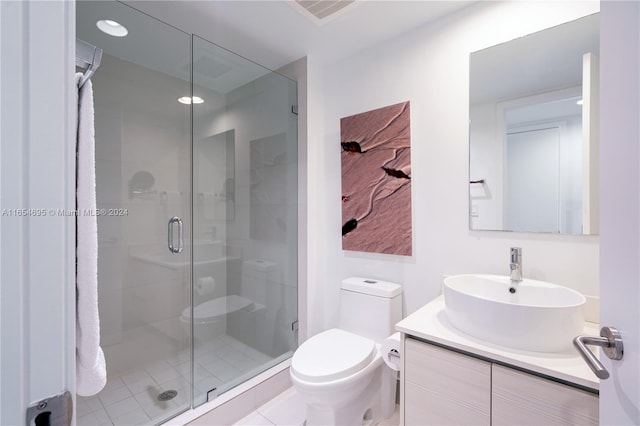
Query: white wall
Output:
(430,68)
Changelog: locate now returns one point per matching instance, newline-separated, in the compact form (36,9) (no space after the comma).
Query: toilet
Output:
(210,317)
(339,373)
(262,283)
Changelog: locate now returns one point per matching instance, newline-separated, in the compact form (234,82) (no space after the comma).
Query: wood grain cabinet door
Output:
(523,399)
(443,387)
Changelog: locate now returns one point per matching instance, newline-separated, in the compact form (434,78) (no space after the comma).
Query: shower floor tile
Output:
(88,405)
(121,408)
(149,396)
(141,385)
(133,418)
(130,398)
(110,396)
(96,418)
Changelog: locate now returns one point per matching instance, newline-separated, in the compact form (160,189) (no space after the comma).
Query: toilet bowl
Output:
(339,373)
(345,388)
(210,317)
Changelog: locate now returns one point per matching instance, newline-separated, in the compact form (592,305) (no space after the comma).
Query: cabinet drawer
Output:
(444,387)
(523,399)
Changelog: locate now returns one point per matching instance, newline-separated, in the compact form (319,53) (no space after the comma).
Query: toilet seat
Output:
(214,309)
(332,355)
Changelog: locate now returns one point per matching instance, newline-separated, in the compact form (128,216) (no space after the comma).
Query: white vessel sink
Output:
(204,250)
(529,315)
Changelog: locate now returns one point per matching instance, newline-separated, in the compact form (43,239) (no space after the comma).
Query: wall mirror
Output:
(533,136)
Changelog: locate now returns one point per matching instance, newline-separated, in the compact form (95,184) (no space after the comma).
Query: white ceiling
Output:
(274,33)
(155,45)
(268,32)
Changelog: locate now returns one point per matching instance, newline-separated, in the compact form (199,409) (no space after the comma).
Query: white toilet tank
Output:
(370,308)
(260,281)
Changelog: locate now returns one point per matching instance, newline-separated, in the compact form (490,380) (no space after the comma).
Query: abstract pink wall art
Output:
(376,181)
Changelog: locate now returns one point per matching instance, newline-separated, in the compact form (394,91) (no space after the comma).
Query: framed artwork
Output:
(376,181)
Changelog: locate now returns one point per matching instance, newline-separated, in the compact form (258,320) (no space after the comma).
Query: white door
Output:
(620,206)
(533,179)
(37,177)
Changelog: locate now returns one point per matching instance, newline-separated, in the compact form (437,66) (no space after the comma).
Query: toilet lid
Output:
(332,355)
(216,308)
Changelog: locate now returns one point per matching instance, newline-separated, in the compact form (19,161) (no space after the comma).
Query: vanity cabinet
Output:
(525,399)
(444,387)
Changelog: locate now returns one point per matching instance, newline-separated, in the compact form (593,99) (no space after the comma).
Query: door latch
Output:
(611,343)
(53,411)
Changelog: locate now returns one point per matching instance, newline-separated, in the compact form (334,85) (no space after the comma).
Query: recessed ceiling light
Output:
(112,28)
(187,100)
(579,102)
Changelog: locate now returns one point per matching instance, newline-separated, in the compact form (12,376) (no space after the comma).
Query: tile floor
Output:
(131,398)
(287,409)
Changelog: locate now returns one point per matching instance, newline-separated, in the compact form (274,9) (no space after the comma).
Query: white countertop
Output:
(167,261)
(430,323)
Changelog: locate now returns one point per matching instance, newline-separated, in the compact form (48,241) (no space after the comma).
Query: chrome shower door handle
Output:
(611,343)
(180,246)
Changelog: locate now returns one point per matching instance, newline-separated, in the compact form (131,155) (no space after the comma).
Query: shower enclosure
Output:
(196,173)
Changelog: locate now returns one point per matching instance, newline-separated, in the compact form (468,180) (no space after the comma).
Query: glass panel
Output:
(244,219)
(143,156)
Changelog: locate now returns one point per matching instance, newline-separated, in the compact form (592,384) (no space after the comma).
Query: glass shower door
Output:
(244,219)
(143,180)
(196,159)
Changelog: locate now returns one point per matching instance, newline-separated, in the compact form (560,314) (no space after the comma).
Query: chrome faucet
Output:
(516,264)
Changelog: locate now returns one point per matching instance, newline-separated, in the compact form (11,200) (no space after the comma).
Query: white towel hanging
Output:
(91,372)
